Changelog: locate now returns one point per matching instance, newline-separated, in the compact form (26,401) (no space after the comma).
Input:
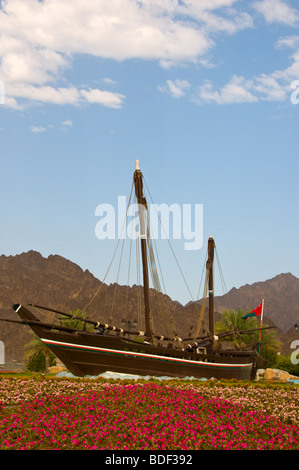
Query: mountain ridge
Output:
(57,282)
(280,294)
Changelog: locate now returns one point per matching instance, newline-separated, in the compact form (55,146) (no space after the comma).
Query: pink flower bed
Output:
(142,415)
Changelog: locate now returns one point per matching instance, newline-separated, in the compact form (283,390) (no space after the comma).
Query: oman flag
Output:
(254,313)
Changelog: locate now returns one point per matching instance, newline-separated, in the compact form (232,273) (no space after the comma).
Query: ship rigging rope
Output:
(128,278)
(206,290)
(154,273)
(221,274)
(138,292)
(201,312)
(156,283)
(222,279)
(176,260)
(117,277)
(202,273)
(201,321)
(98,290)
(140,319)
(203,305)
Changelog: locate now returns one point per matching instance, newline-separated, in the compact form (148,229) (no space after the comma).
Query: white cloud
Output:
(106,98)
(277,11)
(231,24)
(117,29)
(37,129)
(274,86)
(109,81)
(237,90)
(60,96)
(10,102)
(45,94)
(68,123)
(27,65)
(264,87)
(39,40)
(269,88)
(176,88)
(290,41)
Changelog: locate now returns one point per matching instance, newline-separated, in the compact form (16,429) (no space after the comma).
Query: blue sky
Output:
(199,91)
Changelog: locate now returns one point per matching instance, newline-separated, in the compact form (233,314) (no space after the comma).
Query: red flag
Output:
(254,313)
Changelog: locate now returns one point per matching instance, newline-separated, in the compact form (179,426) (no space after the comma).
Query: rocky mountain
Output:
(60,284)
(281,299)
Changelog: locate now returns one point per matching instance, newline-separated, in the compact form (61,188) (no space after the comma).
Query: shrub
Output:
(285,363)
(37,362)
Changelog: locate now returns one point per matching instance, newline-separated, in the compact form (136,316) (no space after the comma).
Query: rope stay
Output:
(156,276)
(201,321)
(222,280)
(163,301)
(157,285)
(116,248)
(176,260)
(203,305)
(221,273)
(204,298)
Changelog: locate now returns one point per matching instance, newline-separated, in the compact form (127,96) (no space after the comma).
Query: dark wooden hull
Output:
(92,354)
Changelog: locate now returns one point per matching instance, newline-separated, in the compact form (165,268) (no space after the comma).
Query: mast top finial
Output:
(137,165)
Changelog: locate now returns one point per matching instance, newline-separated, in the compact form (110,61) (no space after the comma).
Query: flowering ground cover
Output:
(44,413)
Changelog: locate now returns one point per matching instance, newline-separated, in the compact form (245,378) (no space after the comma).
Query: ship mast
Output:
(209,266)
(138,182)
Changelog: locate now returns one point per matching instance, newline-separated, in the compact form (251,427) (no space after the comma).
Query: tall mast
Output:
(210,260)
(142,217)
